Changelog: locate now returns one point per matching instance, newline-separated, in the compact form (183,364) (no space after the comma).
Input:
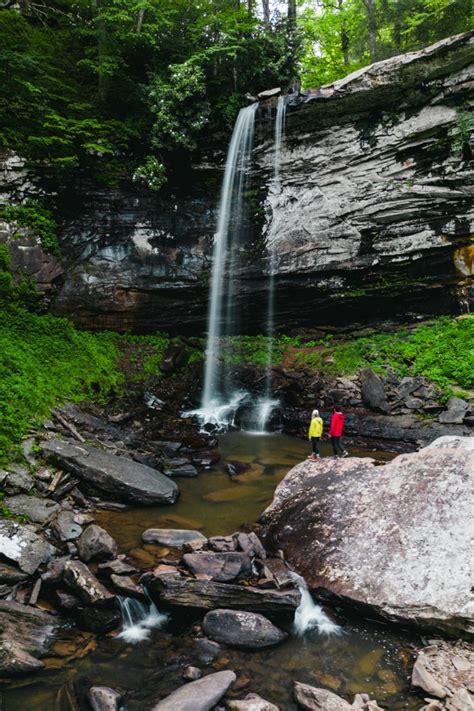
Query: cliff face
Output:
(374,218)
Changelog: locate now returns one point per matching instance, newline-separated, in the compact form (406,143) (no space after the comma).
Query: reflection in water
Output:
(367,657)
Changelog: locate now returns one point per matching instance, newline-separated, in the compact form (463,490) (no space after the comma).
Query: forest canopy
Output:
(122,88)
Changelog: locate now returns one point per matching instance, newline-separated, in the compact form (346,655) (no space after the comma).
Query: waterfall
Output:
(310,616)
(138,618)
(227,245)
(267,403)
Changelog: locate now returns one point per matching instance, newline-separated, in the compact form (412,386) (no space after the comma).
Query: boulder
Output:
(22,545)
(416,511)
(122,478)
(103,698)
(85,585)
(200,695)
(219,566)
(33,508)
(455,412)
(314,699)
(247,630)
(373,390)
(252,702)
(95,544)
(172,537)
(209,595)
(25,634)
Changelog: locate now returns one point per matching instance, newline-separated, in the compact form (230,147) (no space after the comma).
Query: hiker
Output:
(315,433)
(336,428)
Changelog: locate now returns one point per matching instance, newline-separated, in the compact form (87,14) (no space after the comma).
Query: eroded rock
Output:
(85,585)
(22,545)
(26,633)
(221,567)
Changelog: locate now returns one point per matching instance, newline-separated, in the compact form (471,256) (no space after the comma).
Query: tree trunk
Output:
(292,12)
(141,17)
(344,36)
(372,28)
(266,11)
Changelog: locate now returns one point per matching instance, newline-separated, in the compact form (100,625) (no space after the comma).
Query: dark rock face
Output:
(373,220)
(118,476)
(200,695)
(247,630)
(414,511)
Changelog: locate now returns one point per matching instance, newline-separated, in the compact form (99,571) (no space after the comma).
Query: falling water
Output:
(267,404)
(138,619)
(310,616)
(227,244)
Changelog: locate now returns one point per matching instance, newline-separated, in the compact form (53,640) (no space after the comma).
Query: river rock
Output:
(209,595)
(179,467)
(221,544)
(11,575)
(103,698)
(247,630)
(314,699)
(221,567)
(172,537)
(191,673)
(444,668)
(128,587)
(416,511)
(25,634)
(373,390)
(97,619)
(117,567)
(95,544)
(123,478)
(455,412)
(65,526)
(207,650)
(84,583)
(18,480)
(200,695)
(252,702)
(35,509)
(22,545)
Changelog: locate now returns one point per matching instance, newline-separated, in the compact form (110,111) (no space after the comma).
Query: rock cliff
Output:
(373,220)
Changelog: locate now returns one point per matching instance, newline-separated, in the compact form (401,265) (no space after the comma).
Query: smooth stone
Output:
(123,478)
(200,695)
(191,673)
(207,650)
(222,567)
(84,583)
(172,537)
(22,545)
(95,544)
(247,630)
(14,660)
(35,509)
(103,698)
(252,702)
(314,699)
(65,526)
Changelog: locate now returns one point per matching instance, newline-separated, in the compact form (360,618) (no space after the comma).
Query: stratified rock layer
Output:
(396,538)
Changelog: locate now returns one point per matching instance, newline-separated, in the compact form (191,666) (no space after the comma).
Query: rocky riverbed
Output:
(225,592)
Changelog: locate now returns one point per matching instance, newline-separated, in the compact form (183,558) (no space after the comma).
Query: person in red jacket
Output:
(336,429)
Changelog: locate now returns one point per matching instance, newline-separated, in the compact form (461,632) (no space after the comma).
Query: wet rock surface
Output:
(414,510)
(200,695)
(120,477)
(247,630)
(25,635)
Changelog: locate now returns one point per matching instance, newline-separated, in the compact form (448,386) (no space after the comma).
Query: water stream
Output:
(139,618)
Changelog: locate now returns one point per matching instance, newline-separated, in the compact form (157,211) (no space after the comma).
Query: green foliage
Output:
(442,351)
(152,173)
(141,356)
(35,217)
(43,361)
(463,131)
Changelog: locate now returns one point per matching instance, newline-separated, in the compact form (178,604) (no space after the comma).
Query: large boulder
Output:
(200,695)
(456,409)
(247,630)
(120,477)
(373,390)
(394,538)
(22,545)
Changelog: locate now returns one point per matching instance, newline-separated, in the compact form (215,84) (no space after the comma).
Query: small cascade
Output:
(222,319)
(138,619)
(310,616)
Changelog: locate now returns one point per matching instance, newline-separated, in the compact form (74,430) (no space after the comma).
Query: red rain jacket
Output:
(337,424)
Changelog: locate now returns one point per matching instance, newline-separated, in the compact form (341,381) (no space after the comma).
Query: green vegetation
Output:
(35,217)
(43,361)
(122,88)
